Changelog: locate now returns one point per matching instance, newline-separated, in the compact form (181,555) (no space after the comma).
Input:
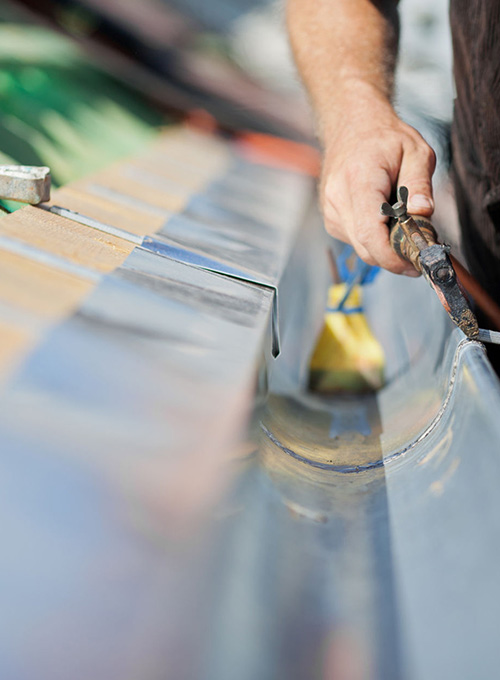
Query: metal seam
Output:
(159,248)
(439,415)
(382,462)
(94,224)
(153,245)
(344,469)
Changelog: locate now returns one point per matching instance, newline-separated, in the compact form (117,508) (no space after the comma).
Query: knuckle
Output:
(427,155)
(431,158)
(424,154)
(330,211)
(365,238)
(333,228)
(396,268)
(395,264)
(330,192)
(353,170)
(411,145)
(417,182)
(415,135)
(364,254)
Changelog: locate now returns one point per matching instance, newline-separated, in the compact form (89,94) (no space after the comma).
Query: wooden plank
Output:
(37,288)
(104,210)
(161,180)
(130,189)
(67,239)
(157,183)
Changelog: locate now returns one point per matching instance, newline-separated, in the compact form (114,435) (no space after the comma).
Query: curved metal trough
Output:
(391,534)
(146,534)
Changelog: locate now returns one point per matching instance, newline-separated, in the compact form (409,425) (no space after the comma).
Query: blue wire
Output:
(361,274)
(368,272)
(349,310)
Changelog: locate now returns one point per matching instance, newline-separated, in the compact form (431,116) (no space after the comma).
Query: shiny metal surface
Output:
(486,335)
(147,532)
(117,436)
(165,247)
(399,491)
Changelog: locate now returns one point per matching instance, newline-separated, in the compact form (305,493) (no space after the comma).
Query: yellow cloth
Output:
(347,356)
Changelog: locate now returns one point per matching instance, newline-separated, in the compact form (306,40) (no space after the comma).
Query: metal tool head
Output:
(399,210)
(25,183)
(440,273)
(414,239)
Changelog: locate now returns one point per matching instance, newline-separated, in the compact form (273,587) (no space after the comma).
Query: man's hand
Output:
(346,53)
(370,153)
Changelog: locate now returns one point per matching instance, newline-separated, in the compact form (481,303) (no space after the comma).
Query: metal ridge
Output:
(386,460)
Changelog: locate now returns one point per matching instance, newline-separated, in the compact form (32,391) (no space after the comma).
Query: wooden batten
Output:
(132,193)
(36,288)
(67,239)
(137,195)
(103,210)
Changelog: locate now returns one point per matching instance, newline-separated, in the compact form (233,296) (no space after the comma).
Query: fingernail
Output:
(411,272)
(421,201)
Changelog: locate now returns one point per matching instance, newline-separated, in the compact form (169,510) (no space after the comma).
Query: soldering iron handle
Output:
(403,246)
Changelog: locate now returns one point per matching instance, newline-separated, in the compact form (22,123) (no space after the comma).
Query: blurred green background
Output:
(58,108)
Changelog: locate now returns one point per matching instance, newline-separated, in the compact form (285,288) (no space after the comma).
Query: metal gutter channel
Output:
(383,517)
(445,528)
(144,536)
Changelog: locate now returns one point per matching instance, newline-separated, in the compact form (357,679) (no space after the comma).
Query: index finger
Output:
(370,229)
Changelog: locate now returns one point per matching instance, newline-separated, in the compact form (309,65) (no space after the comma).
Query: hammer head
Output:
(25,183)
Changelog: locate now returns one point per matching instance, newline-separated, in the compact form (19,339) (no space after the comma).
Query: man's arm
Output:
(346,52)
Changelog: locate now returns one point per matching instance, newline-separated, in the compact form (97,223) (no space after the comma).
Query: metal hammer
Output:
(25,183)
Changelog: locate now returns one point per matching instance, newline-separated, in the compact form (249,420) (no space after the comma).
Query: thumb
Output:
(417,168)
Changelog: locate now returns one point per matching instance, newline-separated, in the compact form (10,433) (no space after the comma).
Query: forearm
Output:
(346,52)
